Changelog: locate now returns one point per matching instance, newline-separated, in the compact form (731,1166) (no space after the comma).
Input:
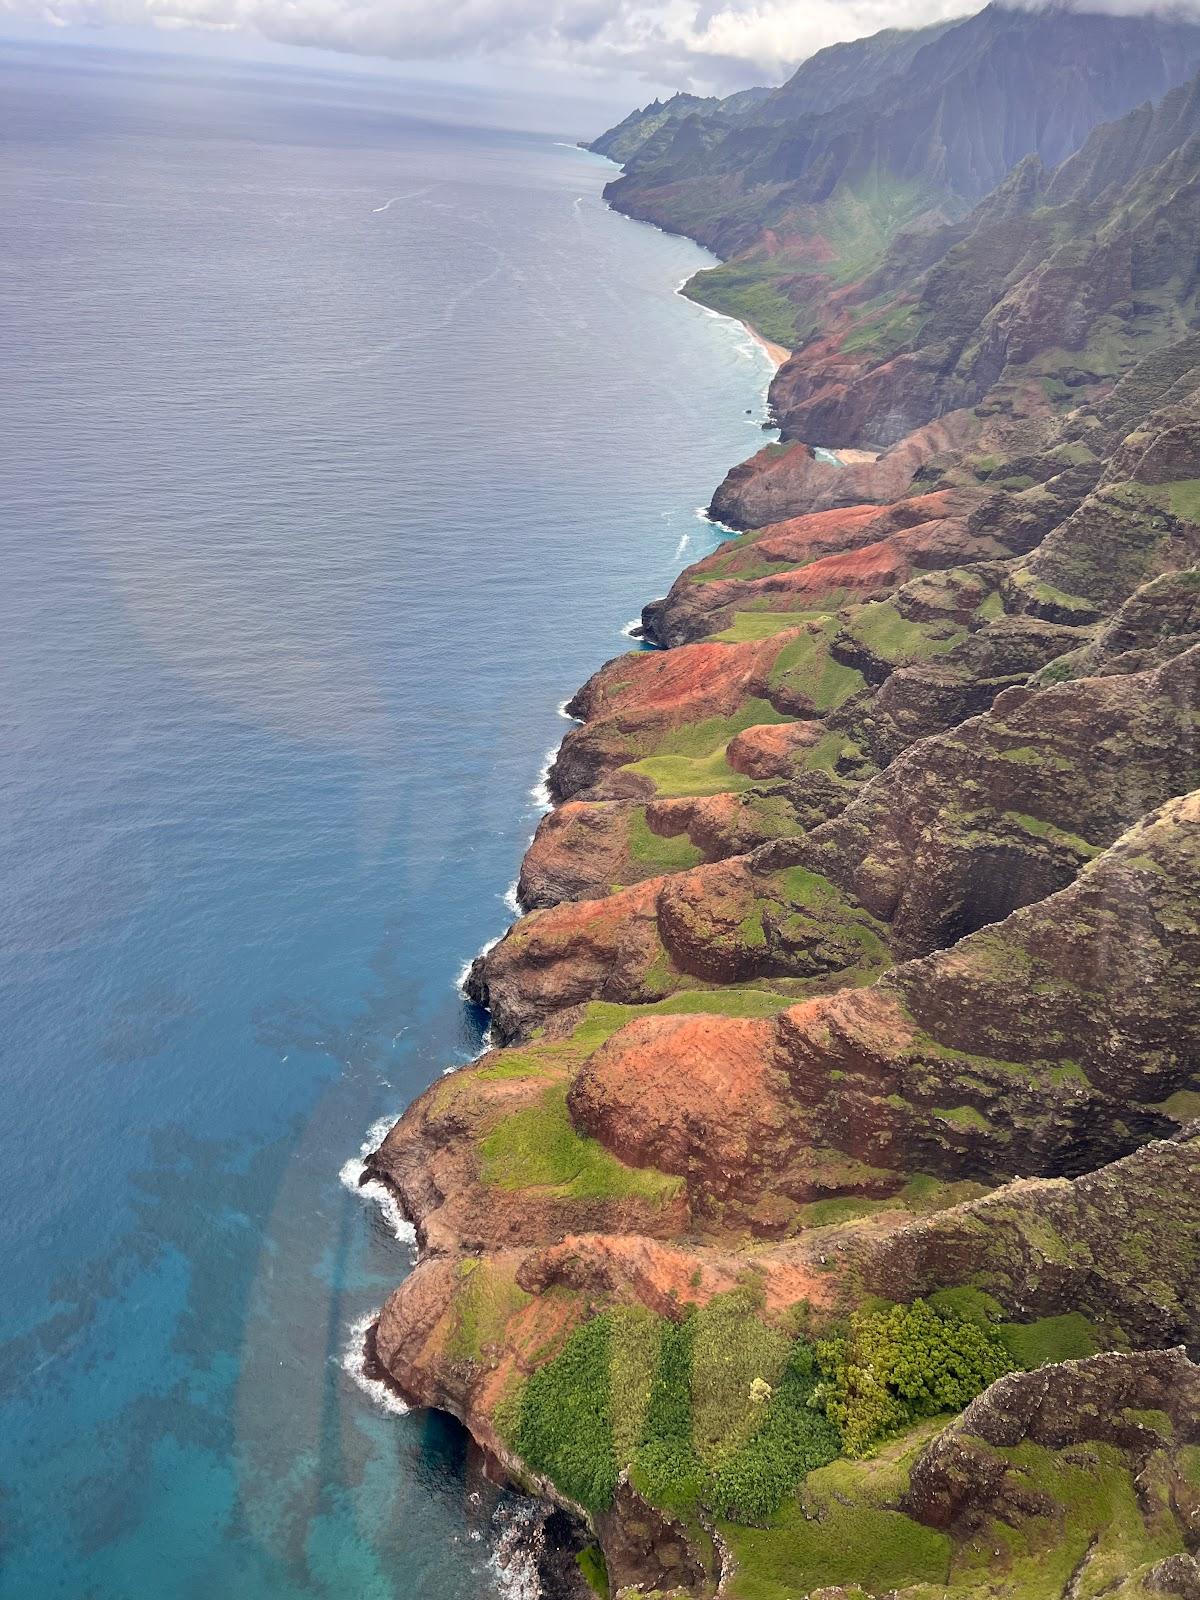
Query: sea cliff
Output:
(824,1222)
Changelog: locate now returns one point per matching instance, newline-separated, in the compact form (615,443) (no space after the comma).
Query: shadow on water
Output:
(285,629)
(246,1406)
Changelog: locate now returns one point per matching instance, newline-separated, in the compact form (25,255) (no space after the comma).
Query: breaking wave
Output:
(374,1191)
(540,793)
(354,1364)
(464,972)
(514,1561)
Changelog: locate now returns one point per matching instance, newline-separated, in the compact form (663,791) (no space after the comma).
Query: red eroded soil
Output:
(769,749)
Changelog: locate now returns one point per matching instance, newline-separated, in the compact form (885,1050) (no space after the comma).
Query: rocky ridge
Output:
(826,1224)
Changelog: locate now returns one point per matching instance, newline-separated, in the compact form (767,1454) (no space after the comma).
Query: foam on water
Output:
(377,1193)
(514,1560)
(540,793)
(486,1042)
(702,515)
(562,709)
(464,972)
(510,898)
(354,1364)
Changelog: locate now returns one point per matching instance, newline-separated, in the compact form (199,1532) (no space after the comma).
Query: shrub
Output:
(563,1423)
(666,1469)
(895,1366)
(732,1349)
(719,1411)
(591,1563)
(752,1483)
(636,1337)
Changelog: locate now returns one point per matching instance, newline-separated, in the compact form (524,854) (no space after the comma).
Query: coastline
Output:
(526,1547)
(778,353)
(540,1256)
(542,1561)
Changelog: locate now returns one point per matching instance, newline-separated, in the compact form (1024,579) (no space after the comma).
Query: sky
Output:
(628,50)
(613,53)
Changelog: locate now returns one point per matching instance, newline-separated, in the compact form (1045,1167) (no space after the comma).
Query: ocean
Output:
(343,434)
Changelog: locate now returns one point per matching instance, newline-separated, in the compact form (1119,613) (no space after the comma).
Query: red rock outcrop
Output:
(789,481)
(769,750)
(992,772)
(634,703)
(579,950)
(959,831)
(952,1065)
(827,558)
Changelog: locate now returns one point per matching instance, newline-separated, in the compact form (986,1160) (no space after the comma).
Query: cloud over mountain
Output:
(704,44)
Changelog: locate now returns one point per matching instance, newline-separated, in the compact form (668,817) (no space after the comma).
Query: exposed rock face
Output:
(586,849)
(1158,621)
(821,559)
(636,702)
(861,953)
(1119,1244)
(964,828)
(577,852)
(918,699)
(435,1160)
(962,1479)
(1030,287)
(904,108)
(958,832)
(928,655)
(779,483)
(583,950)
(1131,529)
(891,901)
(769,750)
(648,1552)
(951,1065)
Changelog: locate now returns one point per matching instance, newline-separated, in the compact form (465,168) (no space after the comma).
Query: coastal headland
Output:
(824,1221)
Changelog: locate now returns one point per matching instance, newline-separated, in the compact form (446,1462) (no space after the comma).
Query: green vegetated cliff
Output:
(825,1223)
(803,189)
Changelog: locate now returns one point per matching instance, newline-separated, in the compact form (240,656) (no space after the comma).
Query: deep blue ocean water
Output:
(340,441)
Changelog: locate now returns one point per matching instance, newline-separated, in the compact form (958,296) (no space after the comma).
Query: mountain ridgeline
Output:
(805,188)
(825,1223)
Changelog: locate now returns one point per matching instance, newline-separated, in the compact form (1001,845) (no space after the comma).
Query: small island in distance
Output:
(824,1220)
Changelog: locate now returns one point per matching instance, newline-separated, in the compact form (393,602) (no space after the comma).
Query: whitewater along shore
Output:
(761,1017)
(824,1219)
(777,352)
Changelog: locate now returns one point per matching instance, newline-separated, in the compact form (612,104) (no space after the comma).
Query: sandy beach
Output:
(777,352)
(852,457)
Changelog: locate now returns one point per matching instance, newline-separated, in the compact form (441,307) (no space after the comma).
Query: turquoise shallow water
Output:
(342,441)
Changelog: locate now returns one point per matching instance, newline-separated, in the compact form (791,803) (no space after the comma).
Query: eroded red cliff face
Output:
(860,961)
(789,480)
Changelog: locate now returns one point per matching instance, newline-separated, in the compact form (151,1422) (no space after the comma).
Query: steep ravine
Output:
(861,971)
(826,1221)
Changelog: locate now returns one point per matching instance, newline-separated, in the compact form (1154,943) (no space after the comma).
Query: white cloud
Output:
(706,45)
(702,44)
